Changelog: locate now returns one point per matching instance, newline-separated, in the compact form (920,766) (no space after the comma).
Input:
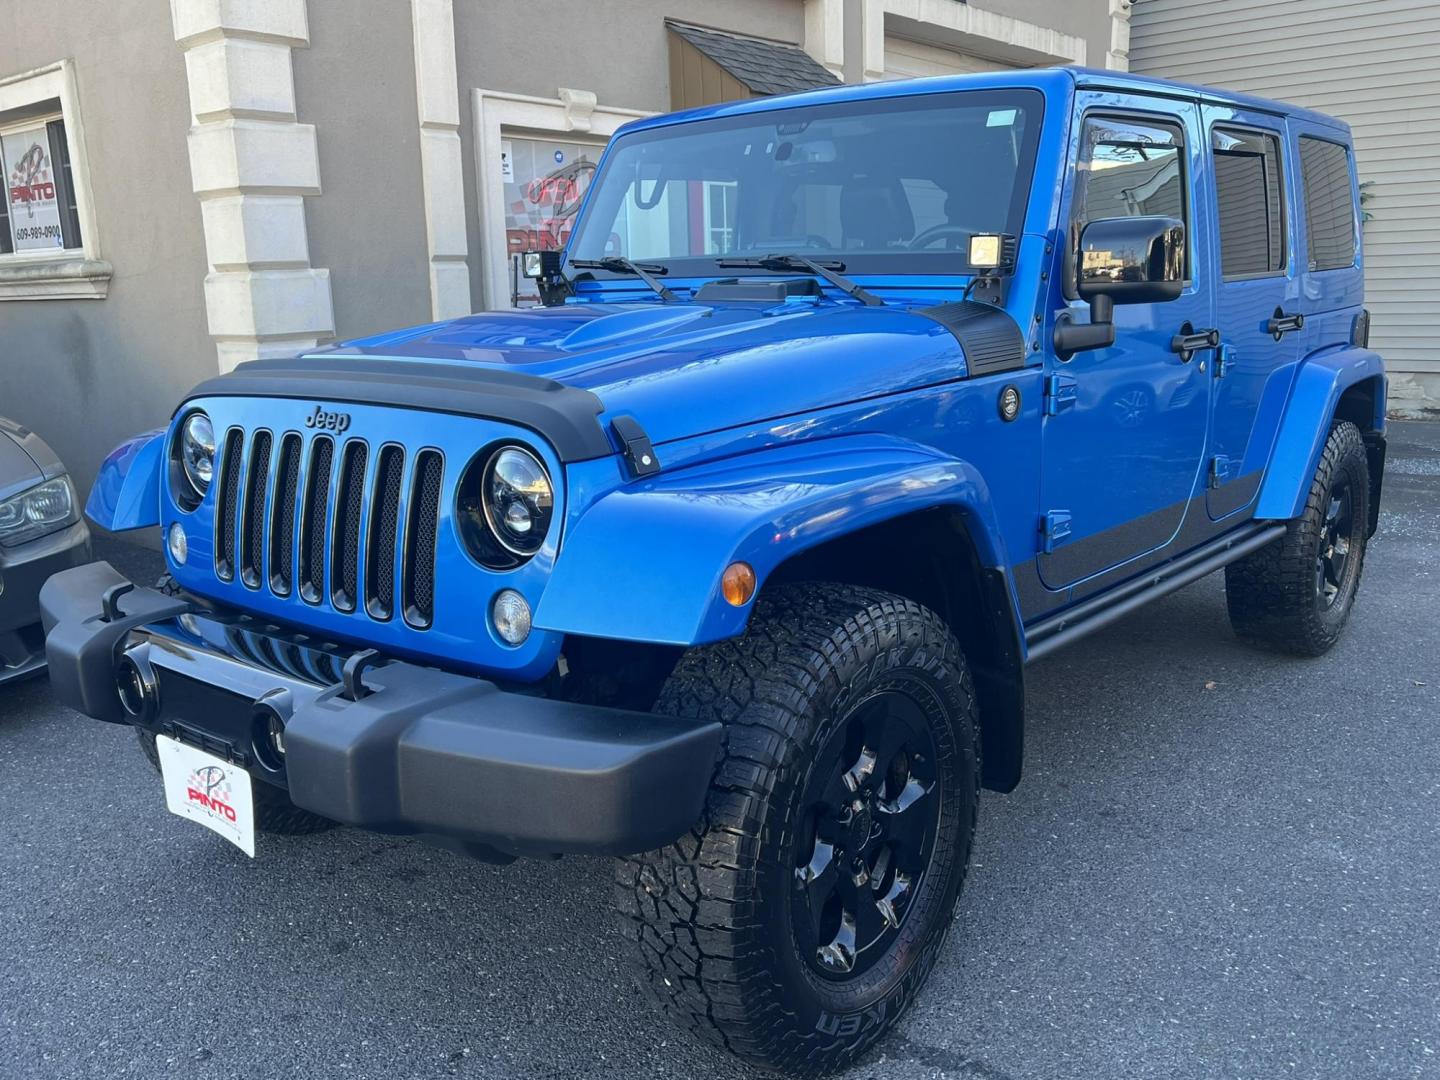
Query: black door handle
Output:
(1281,324)
(1189,341)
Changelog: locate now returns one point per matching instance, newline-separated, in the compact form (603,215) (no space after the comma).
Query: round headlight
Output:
(518,500)
(197,452)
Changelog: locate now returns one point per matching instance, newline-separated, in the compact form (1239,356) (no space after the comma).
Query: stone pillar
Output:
(438,98)
(1117,58)
(252,164)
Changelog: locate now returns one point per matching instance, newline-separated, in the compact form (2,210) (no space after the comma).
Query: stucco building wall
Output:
(87,373)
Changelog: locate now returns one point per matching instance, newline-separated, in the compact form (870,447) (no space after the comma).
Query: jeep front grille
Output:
(350,501)
(229,495)
(330,522)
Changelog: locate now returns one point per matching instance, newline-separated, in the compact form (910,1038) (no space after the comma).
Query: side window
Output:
(1129,167)
(1252,213)
(1329,203)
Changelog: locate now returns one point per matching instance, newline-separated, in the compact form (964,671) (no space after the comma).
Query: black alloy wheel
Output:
(1336,534)
(871,812)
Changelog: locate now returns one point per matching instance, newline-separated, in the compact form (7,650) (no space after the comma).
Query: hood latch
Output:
(636,446)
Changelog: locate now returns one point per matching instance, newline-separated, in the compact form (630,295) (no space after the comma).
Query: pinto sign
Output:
(31,189)
(207,790)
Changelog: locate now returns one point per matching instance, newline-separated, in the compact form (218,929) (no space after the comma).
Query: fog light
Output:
(178,543)
(511,615)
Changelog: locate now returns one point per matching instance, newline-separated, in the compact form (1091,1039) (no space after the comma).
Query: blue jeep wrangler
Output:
(728,561)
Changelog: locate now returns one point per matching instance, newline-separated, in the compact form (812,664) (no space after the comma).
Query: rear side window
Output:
(1329,203)
(1252,211)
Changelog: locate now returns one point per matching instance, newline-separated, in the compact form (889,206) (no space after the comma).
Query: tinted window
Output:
(1252,216)
(1128,168)
(891,185)
(1329,203)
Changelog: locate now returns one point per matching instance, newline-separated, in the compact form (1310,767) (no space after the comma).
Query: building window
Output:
(1252,214)
(39,211)
(48,247)
(1329,203)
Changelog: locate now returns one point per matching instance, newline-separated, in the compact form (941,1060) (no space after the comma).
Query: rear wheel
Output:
(1295,595)
(803,913)
(274,812)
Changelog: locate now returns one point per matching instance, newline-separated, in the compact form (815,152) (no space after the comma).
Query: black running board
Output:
(1060,630)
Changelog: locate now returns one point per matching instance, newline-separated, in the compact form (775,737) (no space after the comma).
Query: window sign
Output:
(31,190)
(545,182)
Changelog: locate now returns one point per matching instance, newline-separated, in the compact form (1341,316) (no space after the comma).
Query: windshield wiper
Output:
(618,264)
(827,269)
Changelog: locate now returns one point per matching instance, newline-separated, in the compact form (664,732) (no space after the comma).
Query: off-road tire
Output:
(1274,595)
(710,915)
(274,812)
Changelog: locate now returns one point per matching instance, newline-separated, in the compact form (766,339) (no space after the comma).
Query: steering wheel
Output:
(929,236)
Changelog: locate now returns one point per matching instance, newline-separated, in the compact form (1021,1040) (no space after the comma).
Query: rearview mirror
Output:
(1129,260)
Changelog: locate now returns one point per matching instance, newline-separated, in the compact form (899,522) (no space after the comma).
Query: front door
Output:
(1124,436)
(1257,301)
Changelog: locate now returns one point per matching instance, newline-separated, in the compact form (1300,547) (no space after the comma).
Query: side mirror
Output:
(1129,260)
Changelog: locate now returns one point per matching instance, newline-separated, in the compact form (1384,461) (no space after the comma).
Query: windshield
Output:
(890,186)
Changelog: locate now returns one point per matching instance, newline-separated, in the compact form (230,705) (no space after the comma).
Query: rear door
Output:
(1259,309)
(1124,436)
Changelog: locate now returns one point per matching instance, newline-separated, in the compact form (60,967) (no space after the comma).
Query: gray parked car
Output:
(40,532)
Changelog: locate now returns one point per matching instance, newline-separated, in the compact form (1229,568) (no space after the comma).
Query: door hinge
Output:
(1222,470)
(1224,357)
(1054,529)
(1061,392)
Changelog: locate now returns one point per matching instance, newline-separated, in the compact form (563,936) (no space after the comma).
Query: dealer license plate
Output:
(205,789)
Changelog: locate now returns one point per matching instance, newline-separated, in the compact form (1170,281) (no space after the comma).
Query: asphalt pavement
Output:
(1220,864)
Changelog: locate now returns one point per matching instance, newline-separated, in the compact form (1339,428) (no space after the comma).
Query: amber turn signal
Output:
(738,584)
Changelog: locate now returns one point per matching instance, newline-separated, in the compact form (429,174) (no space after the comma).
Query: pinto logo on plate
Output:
(209,788)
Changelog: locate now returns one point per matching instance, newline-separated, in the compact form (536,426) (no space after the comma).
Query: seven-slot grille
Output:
(330,520)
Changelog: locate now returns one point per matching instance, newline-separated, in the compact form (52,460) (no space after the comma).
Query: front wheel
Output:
(803,913)
(1295,595)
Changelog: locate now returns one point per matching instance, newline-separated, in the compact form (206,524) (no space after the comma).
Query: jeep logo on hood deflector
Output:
(328,421)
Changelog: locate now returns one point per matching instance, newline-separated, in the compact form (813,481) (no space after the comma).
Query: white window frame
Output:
(721,194)
(574,116)
(67,273)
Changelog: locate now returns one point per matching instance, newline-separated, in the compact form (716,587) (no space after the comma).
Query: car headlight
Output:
(195,454)
(518,499)
(507,506)
(45,508)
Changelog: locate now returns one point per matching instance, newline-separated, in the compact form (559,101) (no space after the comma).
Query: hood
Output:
(18,469)
(688,368)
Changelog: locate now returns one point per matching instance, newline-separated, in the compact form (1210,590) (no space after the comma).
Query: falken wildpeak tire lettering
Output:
(710,915)
(1272,595)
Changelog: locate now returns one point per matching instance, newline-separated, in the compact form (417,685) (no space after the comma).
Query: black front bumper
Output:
(399,749)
